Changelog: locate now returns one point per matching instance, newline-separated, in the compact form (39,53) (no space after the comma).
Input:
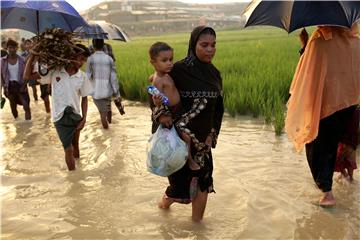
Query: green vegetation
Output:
(256,65)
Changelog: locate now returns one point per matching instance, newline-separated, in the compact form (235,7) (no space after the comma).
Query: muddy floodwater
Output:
(264,189)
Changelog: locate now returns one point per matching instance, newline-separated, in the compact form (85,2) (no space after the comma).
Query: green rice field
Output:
(256,65)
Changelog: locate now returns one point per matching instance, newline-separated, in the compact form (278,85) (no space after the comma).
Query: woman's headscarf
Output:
(194,74)
(327,79)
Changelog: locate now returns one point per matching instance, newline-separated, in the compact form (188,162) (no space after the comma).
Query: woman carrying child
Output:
(200,87)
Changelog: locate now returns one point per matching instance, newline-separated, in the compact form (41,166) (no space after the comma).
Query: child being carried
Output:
(168,105)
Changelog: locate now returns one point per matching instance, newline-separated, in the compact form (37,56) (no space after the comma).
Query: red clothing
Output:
(350,136)
(343,163)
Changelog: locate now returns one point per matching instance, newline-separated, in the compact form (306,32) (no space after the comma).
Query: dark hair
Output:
(98,44)
(158,47)
(82,50)
(27,40)
(208,30)
(12,43)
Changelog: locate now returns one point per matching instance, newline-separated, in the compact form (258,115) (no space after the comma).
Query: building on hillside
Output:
(151,17)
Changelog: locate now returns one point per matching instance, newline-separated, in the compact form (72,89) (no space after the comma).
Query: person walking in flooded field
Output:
(45,87)
(15,89)
(69,84)
(346,153)
(324,92)
(200,87)
(27,45)
(101,71)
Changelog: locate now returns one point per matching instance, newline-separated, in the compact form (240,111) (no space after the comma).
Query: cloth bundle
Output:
(54,47)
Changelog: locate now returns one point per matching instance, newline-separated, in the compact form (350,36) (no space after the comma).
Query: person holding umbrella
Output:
(324,92)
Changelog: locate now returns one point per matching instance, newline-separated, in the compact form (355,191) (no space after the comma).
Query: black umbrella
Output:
(101,30)
(292,15)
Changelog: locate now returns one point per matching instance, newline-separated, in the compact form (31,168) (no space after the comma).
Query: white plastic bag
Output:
(166,152)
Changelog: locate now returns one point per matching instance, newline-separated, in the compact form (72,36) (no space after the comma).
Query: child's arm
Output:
(157,99)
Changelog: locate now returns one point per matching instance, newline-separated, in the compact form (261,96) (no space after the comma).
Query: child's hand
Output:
(186,137)
(166,121)
(151,78)
(157,99)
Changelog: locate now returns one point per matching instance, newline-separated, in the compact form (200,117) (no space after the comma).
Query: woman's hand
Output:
(157,99)
(208,142)
(304,37)
(166,121)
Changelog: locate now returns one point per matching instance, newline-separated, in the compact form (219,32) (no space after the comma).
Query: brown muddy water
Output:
(264,189)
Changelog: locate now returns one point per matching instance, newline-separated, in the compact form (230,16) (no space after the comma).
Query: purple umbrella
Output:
(36,16)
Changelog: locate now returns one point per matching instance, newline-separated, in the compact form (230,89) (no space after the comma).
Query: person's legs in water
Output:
(109,115)
(75,144)
(199,205)
(45,92)
(104,122)
(69,158)
(13,106)
(34,90)
(321,156)
(322,152)
(351,174)
(35,93)
(47,104)
(103,108)
(26,107)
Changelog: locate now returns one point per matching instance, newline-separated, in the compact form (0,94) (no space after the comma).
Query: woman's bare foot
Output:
(165,202)
(327,200)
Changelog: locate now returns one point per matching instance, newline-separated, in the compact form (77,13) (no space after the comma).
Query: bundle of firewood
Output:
(55,48)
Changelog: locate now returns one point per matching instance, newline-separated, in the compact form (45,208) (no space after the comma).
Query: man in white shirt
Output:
(102,73)
(69,84)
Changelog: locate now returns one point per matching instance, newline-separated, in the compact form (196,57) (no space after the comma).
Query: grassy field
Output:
(256,65)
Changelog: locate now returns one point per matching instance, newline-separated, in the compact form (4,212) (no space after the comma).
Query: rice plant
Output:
(256,65)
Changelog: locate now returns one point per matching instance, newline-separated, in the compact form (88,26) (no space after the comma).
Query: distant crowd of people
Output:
(68,87)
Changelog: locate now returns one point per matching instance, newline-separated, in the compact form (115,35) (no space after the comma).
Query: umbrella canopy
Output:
(36,16)
(292,15)
(102,30)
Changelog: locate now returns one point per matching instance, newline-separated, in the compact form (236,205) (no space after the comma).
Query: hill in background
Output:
(153,17)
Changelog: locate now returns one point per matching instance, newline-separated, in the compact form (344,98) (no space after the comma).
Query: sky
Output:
(81,5)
